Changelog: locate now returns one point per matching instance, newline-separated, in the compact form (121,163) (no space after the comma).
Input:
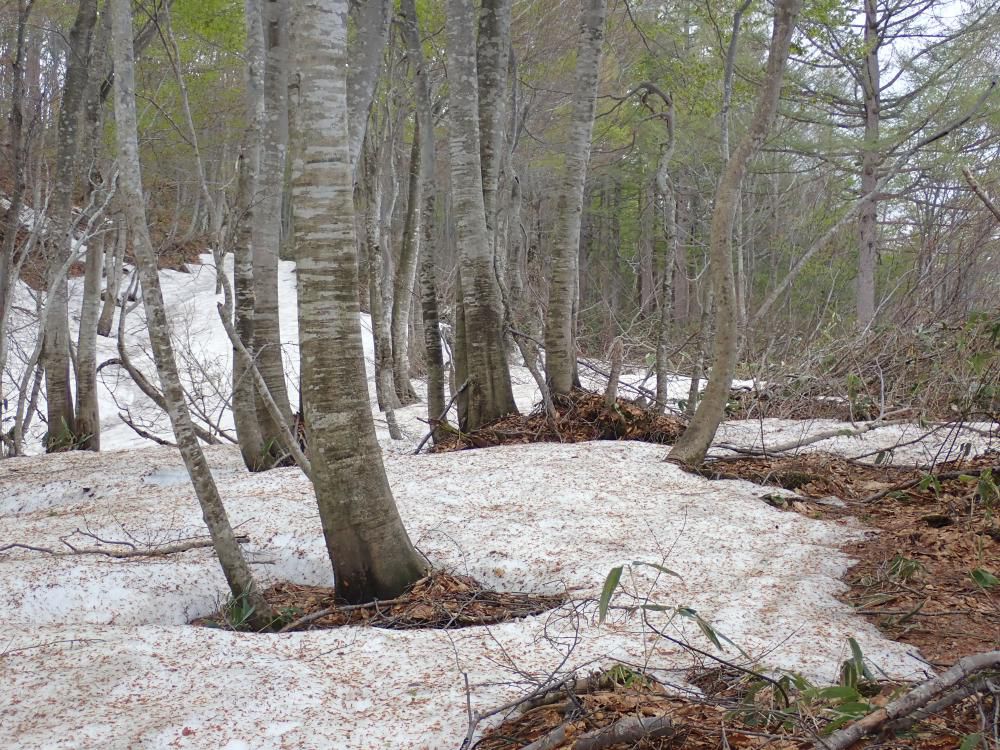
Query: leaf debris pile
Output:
(439,601)
(581,416)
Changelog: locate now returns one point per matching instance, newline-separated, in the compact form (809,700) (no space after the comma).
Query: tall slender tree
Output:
(234,565)
(371,553)
(692,446)
(560,333)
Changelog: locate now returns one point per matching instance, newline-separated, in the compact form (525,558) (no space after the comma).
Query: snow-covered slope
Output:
(96,652)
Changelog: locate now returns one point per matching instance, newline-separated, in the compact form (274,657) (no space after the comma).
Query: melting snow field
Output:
(97,652)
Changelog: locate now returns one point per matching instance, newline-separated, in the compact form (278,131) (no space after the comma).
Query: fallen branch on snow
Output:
(158,551)
(912,702)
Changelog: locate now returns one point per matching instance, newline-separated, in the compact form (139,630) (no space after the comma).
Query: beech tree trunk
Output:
(402,294)
(692,446)
(266,232)
(428,195)
(234,565)
(370,551)
(479,358)
(248,427)
(560,334)
(60,243)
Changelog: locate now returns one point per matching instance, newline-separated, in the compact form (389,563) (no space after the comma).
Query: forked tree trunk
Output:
(114,260)
(59,398)
(692,446)
(371,553)
(234,565)
(560,333)
(480,357)
(428,270)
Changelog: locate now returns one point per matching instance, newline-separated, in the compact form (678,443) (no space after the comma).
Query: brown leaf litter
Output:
(438,601)
(581,416)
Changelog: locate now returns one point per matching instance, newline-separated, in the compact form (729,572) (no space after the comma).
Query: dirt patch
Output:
(927,578)
(439,601)
(580,416)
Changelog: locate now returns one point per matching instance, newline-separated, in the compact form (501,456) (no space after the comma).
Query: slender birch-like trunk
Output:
(692,446)
(234,565)
(868,211)
(560,334)
(371,553)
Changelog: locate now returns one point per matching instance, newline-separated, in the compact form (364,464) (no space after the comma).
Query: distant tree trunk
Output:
(692,446)
(492,53)
(114,259)
(428,188)
(402,295)
(560,334)
(371,553)
(266,221)
(237,572)
(256,455)
(868,211)
(370,19)
(645,249)
(15,153)
(371,181)
(88,416)
(60,244)
(479,358)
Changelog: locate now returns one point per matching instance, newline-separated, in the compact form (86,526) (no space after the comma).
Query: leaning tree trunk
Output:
(428,193)
(370,20)
(234,565)
(371,553)
(59,398)
(692,446)
(480,357)
(560,334)
(16,152)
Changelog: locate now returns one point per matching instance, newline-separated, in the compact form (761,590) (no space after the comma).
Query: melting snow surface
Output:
(97,652)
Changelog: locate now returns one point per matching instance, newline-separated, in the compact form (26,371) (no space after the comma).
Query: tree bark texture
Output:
(479,358)
(266,232)
(560,334)
(371,553)
(59,397)
(868,211)
(428,196)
